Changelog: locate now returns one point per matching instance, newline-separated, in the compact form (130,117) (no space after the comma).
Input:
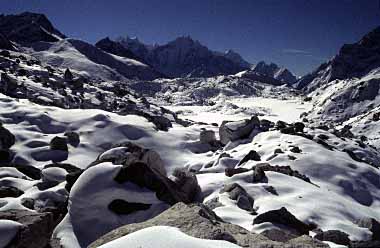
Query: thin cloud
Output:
(296,51)
(299,52)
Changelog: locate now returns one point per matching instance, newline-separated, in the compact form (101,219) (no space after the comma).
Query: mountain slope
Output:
(274,71)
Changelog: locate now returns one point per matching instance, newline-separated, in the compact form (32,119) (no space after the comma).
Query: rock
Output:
(142,175)
(71,178)
(284,217)
(68,76)
(162,123)
(213,203)
(58,143)
(279,235)
(323,136)
(286,170)
(258,174)
(231,131)
(36,228)
(298,127)
(288,130)
(28,203)
(281,124)
(372,224)
(240,195)
(72,138)
(7,139)
(207,137)
(68,167)
(5,53)
(295,149)
(252,155)
(5,156)
(199,221)
(232,171)
(123,207)
(128,153)
(186,182)
(27,170)
(9,191)
(278,151)
(334,236)
(365,244)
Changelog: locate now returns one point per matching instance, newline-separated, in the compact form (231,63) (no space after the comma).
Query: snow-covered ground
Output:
(232,109)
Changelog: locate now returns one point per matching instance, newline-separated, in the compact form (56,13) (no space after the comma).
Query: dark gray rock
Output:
(335,236)
(252,155)
(279,235)
(58,143)
(9,191)
(258,174)
(284,217)
(72,138)
(7,139)
(36,230)
(295,149)
(240,195)
(231,131)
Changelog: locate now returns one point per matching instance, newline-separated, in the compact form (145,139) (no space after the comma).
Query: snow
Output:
(8,230)
(163,236)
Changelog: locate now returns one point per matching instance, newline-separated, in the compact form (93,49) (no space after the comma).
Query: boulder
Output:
(9,191)
(258,174)
(36,228)
(295,149)
(58,143)
(207,137)
(231,131)
(199,221)
(252,155)
(335,236)
(120,207)
(7,139)
(72,138)
(279,235)
(240,195)
(283,217)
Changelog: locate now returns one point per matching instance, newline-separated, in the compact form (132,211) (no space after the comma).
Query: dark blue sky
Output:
(298,34)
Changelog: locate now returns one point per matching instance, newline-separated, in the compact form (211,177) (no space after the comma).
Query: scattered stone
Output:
(213,203)
(252,155)
(72,138)
(9,191)
(58,143)
(288,130)
(299,126)
(28,203)
(239,194)
(207,137)
(323,136)
(278,151)
(271,190)
(286,170)
(295,149)
(258,174)
(233,171)
(71,178)
(335,236)
(284,217)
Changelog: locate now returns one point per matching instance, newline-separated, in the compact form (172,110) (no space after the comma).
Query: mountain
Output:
(352,61)
(28,27)
(237,59)
(274,71)
(345,91)
(183,57)
(115,48)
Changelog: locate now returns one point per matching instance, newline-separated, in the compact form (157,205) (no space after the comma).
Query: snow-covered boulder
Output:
(231,131)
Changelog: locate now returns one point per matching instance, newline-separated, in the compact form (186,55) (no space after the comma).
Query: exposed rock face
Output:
(200,222)
(5,43)
(284,217)
(36,228)
(231,131)
(28,27)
